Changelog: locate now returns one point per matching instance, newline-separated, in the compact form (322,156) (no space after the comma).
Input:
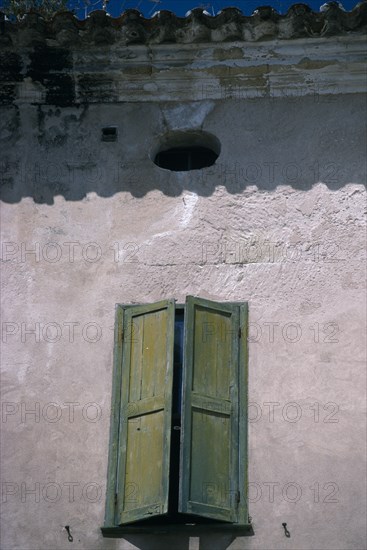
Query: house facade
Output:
(94,214)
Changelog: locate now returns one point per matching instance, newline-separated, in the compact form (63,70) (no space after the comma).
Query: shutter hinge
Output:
(239,332)
(115,499)
(121,336)
(238,497)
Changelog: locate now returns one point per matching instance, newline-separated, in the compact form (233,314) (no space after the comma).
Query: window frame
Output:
(243,525)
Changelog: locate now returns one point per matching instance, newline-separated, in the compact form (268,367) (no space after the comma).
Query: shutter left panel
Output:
(145,416)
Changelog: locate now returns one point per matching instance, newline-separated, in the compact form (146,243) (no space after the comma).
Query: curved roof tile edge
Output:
(230,24)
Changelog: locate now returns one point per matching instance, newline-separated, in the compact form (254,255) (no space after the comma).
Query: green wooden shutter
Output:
(210,474)
(145,414)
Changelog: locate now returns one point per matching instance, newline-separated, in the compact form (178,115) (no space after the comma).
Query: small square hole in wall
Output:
(109,133)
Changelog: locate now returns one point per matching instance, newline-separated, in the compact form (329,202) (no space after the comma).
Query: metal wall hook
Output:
(70,537)
(287,533)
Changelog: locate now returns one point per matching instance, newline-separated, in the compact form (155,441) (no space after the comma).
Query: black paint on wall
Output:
(50,67)
(11,72)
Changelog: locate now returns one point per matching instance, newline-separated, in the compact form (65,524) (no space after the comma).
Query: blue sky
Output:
(180,7)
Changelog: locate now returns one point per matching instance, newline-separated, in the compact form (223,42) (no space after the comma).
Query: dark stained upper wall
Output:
(41,51)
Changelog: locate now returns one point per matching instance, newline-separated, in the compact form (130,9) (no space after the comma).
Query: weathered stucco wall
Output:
(278,221)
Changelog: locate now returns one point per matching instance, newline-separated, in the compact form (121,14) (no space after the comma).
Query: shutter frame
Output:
(232,510)
(243,512)
(115,419)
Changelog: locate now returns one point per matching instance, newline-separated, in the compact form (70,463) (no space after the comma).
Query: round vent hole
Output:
(182,151)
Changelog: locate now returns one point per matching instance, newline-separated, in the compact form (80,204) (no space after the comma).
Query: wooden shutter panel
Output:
(145,414)
(210,476)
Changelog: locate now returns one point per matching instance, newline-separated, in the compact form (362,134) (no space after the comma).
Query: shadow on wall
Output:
(47,151)
(159,542)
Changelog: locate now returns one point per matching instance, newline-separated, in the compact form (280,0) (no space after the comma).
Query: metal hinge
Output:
(116,499)
(238,497)
(239,332)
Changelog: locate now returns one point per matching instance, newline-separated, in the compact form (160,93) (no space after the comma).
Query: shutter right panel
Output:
(209,446)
